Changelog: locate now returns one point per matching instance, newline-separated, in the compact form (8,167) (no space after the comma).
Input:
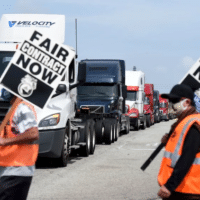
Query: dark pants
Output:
(182,196)
(14,187)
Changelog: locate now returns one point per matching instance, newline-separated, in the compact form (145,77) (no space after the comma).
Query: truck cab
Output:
(164,103)
(156,106)
(149,109)
(102,90)
(135,98)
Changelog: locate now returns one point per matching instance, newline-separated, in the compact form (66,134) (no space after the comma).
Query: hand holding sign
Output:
(36,69)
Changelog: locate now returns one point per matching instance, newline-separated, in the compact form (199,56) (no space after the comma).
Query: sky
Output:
(159,37)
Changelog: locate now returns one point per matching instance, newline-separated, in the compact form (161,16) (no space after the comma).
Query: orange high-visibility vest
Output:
(17,154)
(173,151)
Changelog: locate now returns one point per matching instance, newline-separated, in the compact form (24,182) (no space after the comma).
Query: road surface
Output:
(112,173)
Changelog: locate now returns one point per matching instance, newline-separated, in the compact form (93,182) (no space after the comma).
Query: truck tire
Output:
(92,137)
(137,125)
(153,122)
(128,124)
(63,159)
(85,150)
(148,121)
(159,119)
(99,130)
(113,132)
(116,131)
(108,132)
(144,123)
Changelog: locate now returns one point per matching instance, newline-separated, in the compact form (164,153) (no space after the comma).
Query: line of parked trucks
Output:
(144,105)
(96,101)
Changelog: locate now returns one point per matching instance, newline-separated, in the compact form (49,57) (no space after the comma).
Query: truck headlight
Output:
(133,115)
(51,120)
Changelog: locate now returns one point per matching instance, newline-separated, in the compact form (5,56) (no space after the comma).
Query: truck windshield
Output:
(98,90)
(163,105)
(5,57)
(131,95)
(146,101)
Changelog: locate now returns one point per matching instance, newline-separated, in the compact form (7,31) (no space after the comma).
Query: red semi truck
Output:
(149,103)
(164,105)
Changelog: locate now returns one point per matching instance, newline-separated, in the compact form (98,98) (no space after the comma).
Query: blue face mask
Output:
(5,95)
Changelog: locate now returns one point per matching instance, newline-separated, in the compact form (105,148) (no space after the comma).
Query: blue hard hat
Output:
(5,95)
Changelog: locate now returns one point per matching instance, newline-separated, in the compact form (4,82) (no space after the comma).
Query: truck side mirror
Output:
(81,72)
(124,91)
(61,89)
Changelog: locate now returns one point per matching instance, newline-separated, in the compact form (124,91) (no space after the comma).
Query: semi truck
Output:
(102,97)
(156,106)
(60,131)
(149,103)
(164,103)
(135,99)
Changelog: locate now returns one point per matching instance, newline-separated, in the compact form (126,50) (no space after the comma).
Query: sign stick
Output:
(152,156)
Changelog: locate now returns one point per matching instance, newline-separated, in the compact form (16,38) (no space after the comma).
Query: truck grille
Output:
(95,109)
(4,106)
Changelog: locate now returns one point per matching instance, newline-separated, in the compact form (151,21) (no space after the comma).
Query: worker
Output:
(179,175)
(18,150)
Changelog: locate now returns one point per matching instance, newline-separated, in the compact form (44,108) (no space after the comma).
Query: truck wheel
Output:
(113,132)
(108,132)
(148,121)
(128,125)
(99,130)
(116,131)
(92,137)
(137,125)
(85,150)
(152,122)
(159,119)
(144,123)
(114,128)
(63,159)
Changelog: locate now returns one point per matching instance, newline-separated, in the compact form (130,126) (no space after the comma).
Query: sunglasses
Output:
(174,100)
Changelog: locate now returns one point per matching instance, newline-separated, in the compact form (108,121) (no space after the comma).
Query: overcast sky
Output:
(159,37)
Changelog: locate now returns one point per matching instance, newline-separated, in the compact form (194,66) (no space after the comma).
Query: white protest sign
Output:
(36,69)
(192,77)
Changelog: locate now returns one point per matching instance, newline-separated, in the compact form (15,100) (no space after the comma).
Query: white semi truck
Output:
(59,130)
(135,98)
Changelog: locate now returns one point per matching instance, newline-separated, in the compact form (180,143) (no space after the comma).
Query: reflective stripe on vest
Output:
(174,156)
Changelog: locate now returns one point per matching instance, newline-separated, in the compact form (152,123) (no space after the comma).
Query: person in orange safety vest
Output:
(18,150)
(179,174)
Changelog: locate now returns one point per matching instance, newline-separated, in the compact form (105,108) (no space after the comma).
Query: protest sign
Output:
(36,69)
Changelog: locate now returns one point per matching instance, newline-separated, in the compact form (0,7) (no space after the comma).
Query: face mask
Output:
(178,107)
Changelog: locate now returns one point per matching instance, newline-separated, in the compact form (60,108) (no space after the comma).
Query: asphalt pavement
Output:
(112,173)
